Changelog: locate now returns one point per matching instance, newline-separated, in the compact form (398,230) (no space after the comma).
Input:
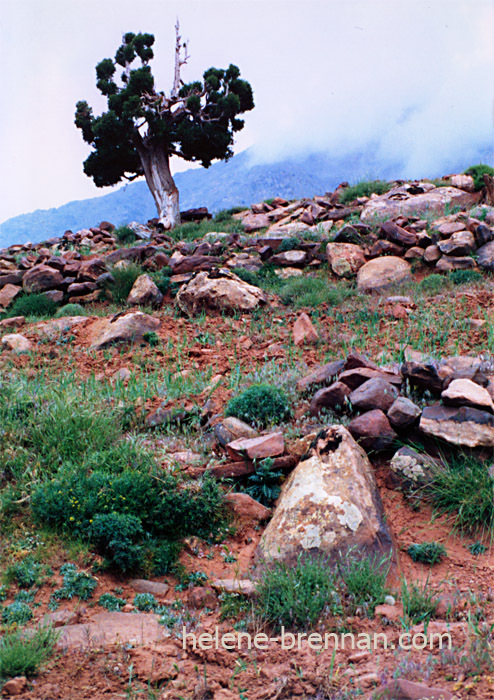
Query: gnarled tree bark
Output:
(156,165)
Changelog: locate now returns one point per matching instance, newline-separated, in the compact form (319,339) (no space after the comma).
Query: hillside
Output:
(223,185)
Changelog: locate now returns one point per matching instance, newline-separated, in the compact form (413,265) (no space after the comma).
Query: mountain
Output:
(240,181)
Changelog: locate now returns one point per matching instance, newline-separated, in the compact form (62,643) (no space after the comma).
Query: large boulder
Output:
(128,328)
(7,294)
(40,278)
(459,426)
(415,199)
(465,392)
(381,273)
(219,290)
(328,504)
(144,292)
(345,259)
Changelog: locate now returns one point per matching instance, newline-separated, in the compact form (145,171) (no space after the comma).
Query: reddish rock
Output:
(448,263)
(81,288)
(142,585)
(432,254)
(331,397)
(383,247)
(460,243)
(304,331)
(202,597)
(7,294)
(14,322)
(255,222)
(61,618)
(392,613)
(403,413)
(345,259)
(373,431)
(379,274)
(234,585)
(246,507)
(40,278)
(353,378)
(144,292)
(355,359)
(15,686)
(322,375)
(257,448)
(448,228)
(401,689)
(374,393)
(397,234)
(16,343)
(90,270)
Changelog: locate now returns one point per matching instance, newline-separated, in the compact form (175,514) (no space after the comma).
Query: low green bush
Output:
(433,284)
(24,654)
(27,573)
(123,281)
(264,484)
(477,172)
(465,276)
(296,596)
(292,243)
(70,310)
(261,405)
(161,278)
(75,584)
(151,338)
(125,235)
(111,602)
(17,612)
(427,552)
(309,292)
(33,305)
(115,536)
(145,602)
(363,189)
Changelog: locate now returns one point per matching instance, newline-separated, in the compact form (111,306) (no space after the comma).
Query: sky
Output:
(417,78)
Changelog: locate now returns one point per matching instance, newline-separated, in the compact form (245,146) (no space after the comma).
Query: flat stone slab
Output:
(108,628)
(459,426)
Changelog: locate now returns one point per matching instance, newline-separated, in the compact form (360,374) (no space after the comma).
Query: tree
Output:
(143,128)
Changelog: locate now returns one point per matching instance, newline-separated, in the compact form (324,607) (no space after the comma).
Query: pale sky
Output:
(417,76)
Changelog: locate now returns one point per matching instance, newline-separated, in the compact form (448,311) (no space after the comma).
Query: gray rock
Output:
(403,413)
(485,256)
(381,273)
(460,243)
(332,397)
(374,393)
(459,426)
(410,468)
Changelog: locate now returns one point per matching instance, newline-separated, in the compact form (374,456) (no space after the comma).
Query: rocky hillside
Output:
(279,420)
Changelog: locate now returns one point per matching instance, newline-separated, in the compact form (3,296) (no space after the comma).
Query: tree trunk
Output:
(156,166)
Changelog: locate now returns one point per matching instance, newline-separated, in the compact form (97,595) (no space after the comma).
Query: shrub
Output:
(465,276)
(111,602)
(364,580)
(17,612)
(145,602)
(419,602)
(302,292)
(291,243)
(75,583)
(477,548)
(296,596)
(123,281)
(33,305)
(115,535)
(464,487)
(23,654)
(427,552)
(363,189)
(70,310)
(151,338)
(226,214)
(433,284)
(477,171)
(161,278)
(260,404)
(125,235)
(27,573)
(165,555)
(264,484)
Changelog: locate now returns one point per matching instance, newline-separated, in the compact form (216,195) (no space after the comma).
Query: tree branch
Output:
(179,61)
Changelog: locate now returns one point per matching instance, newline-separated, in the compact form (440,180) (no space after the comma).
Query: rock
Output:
(373,431)
(432,254)
(483,235)
(260,447)
(332,397)
(383,247)
(231,429)
(16,343)
(287,272)
(108,628)
(235,585)
(58,326)
(354,378)
(304,331)
(13,322)
(142,585)
(193,263)
(411,468)
(463,182)
(56,295)
(7,294)
(374,393)
(255,222)
(401,689)
(414,253)
(122,374)
(460,243)
(290,258)
(15,686)
(485,256)
(448,263)
(202,597)
(167,416)
(90,270)
(40,278)
(246,507)
(448,228)
(220,290)
(345,259)
(465,392)
(422,376)
(128,328)
(328,504)
(412,200)
(355,359)
(459,426)
(322,375)
(403,413)
(79,288)
(381,273)
(392,613)
(144,292)
(61,618)
(399,235)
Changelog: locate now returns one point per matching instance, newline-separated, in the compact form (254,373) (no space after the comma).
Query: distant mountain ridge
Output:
(238,182)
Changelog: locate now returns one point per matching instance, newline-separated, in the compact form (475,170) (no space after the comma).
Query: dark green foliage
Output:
(124,278)
(71,310)
(165,555)
(463,487)
(260,404)
(433,284)
(477,171)
(264,484)
(17,612)
(145,602)
(226,214)
(419,602)
(111,602)
(115,536)
(477,548)
(364,579)
(33,305)
(27,573)
(125,235)
(289,244)
(201,129)
(161,278)
(23,654)
(308,292)
(363,189)
(295,596)
(427,552)
(151,338)
(75,584)
(465,276)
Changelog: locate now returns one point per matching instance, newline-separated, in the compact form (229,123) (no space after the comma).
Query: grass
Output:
(37,305)
(427,552)
(23,654)
(364,189)
(419,602)
(222,222)
(364,579)
(123,281)
(309,292)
